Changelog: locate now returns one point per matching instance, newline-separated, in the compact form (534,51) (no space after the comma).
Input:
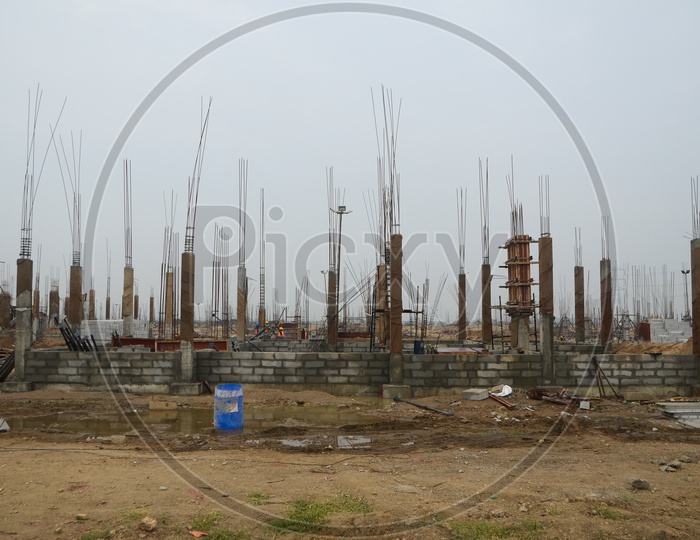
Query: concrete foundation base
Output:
(187,389)
(389,391)
(16,386)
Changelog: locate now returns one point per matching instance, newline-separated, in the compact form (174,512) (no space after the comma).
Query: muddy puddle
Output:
(197,421)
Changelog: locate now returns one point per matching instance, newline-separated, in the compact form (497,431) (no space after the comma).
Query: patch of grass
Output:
(623,501)
(206,522)
(604,511)
(95,535)
(307,515)
(553,510)
(134,515)
(257,499)
(486,530)
(346,503)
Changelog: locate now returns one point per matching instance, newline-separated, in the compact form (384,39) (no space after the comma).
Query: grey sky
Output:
(295,97)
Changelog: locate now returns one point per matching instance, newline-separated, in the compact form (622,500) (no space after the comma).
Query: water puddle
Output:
(195,421)
(294,443)
(347,442)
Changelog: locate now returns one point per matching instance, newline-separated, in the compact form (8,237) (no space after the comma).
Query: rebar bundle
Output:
(484,211)
(127,214)
(30,186)
(544,205)
(72,168)
(193,181)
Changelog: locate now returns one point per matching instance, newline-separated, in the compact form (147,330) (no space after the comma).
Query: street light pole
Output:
(342,210)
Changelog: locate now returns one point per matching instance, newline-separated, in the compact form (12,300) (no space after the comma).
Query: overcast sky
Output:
(294,98)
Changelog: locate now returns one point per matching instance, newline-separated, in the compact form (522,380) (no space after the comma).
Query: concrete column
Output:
(262,316)
(108,305)
(486,326)
(35,304)
(462,307)
(5,309)
(128,301)
(395,368)
(547,306)
(75,304)
(382,305)
(54,303)
(332,312)
(579,305)
(520,333)
(395,295)
(136,307)
(91,305)
(241,303)
(23,318)
(606,307)
(35,314)
(187,360)
(695,292)
(169,306)
(152,310)
(187,299)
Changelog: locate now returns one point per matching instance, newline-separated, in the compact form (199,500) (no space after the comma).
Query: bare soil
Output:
(538,471)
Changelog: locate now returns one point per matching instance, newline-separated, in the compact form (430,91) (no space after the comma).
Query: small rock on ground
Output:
(148,524)
(640,484)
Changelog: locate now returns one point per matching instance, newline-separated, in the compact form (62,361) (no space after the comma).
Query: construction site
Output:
(517,418)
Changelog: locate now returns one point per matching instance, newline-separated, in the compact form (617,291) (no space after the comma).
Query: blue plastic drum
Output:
(228,406)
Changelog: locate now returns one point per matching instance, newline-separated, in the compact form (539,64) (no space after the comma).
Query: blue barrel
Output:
(228,406)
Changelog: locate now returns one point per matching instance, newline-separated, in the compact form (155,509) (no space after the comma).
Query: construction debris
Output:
(560,398)
(686,413)
(475,394)
(446,413)
(507,404)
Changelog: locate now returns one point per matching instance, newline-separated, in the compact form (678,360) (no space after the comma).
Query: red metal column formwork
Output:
(520,305)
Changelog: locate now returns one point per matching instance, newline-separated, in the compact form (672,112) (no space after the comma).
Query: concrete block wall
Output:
(343,373)
(356,373)
(429,373)
(627,370)
(129,369)
(300,346)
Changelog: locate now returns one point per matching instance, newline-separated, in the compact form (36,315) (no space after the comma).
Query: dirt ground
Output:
(393,470)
